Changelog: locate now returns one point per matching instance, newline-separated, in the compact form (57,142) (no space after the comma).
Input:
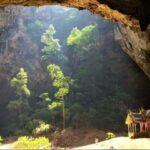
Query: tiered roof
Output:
(137,117)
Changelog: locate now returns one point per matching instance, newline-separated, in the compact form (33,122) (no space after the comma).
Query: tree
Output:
(61,82)
(51,45)
(81,37)
(20,84)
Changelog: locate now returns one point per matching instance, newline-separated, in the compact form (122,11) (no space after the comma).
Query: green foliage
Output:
(52,46)
(59,80)
(20,83)
(20,107)
(14,105)
(25,142)
(1,140)
(55,71)
(74,37)
(42,128)
(17,104)
(54,105)
(80,36)
(45,97)
(110,135)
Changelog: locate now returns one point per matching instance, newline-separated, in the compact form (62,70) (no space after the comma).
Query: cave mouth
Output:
(106,77)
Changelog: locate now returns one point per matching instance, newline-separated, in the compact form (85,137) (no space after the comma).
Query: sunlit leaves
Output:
(42,128)
(55,105)
(61,93)
(51,45)
(55,71)
(59,80)
(110,135)
(25,142)
(20,83)
(80,36)
(74,37)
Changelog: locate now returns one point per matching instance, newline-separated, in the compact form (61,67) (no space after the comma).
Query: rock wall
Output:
(137,45)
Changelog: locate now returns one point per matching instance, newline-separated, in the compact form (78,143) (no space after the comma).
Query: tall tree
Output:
(20,83)
(61,82)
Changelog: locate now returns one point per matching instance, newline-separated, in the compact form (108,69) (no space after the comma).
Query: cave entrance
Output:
(87,49)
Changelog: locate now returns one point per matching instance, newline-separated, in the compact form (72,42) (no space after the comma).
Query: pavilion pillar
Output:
(135,127)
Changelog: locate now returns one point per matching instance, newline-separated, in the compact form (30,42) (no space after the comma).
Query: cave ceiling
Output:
(134,13)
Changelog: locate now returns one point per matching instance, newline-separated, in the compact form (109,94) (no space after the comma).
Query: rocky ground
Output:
(115,143)
(6,146)
(120,143)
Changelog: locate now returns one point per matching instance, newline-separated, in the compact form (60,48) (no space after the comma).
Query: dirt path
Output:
(119,143)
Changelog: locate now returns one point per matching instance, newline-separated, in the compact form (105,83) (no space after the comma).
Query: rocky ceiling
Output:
(133,13)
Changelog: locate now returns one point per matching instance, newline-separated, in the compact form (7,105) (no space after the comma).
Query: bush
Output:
(25,142)
(42,128)
(1,140)
(110,135)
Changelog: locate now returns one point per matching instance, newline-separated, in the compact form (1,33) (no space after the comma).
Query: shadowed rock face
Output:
(127,11)
(139,9)
(137,45)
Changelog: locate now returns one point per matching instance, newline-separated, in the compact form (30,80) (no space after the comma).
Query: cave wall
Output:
(136,44)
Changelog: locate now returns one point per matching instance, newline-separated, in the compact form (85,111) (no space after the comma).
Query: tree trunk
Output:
(63,113)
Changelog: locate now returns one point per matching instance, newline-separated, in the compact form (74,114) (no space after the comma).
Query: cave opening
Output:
(87,48)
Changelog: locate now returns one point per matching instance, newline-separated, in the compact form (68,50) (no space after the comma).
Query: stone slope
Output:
(119,143)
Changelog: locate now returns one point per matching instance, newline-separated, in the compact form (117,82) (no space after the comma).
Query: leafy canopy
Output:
(80,36)
(52,46)
(20,83)
(59,80)
(54,105)
(42,128)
